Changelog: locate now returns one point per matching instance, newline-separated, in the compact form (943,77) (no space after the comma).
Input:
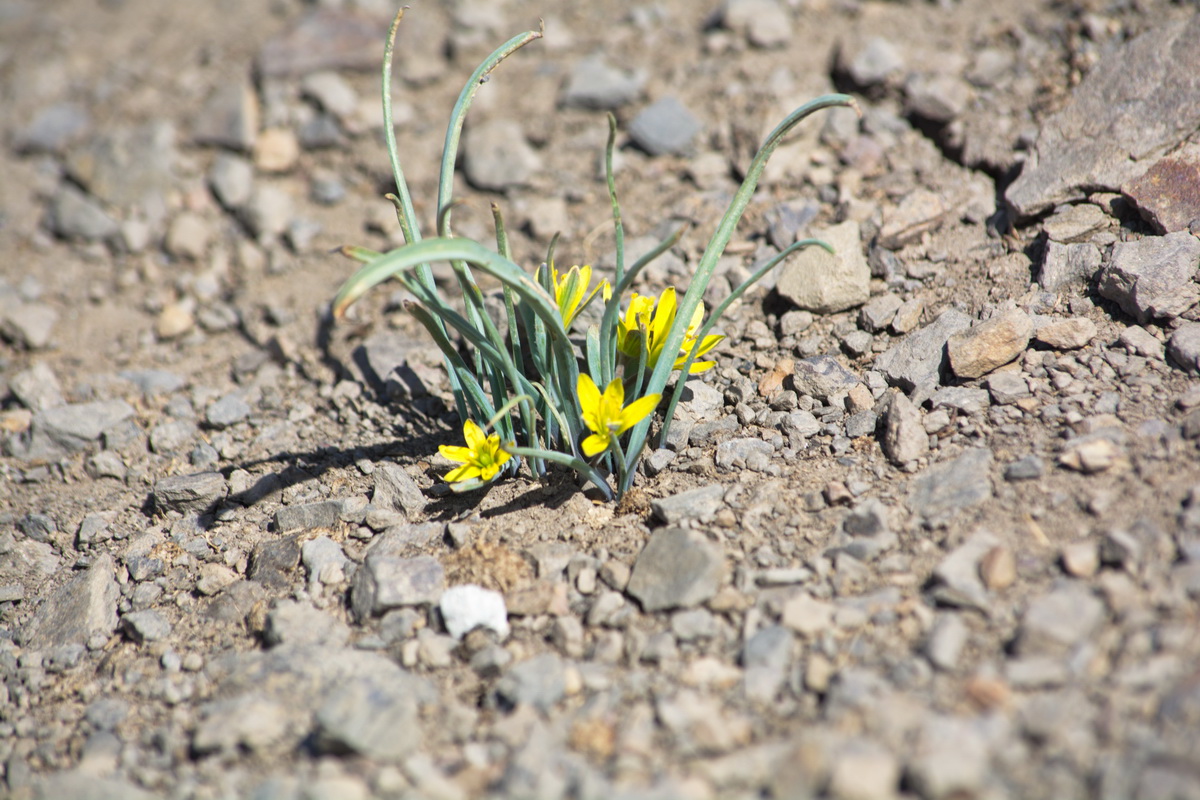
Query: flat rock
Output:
(665,127)
(497,157)
(396,489)
(298,623)
(990,344)
(1068,266)
(824,283)
(822,377)
(147,625)
(82,784)
(126,165)
(189,493)
(1066,334)
(678,568)
(920,212)
(377,719)
(904,437)
(917,360)
(764,23)
(1168,194)
(870,65)
(699,503)
(384,582)
(1059,620)
(594,83)
(85,606)
(1075,222)
(944,490)
(1183,347)
(37,388)
(75,215)
(53,129)
(539,681)
(326,39)
(229,117)
(232,180)
(951,759)
(1138,102)
(766,657)
(307,516)
(1148,277)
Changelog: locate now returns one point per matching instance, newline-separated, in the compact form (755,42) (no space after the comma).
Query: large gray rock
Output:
(385,581)
(189,493)
(917,360)
(817,281)
(944,490)
(372,718)
(678,568)
(1138,102)
(1152,277)
(1066,266)
(395,489)
(85,606)
(822,377)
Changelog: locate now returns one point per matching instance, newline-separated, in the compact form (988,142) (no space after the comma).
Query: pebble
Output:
(1007,387)
(1139,341)
(1166,195)
(332,93)
(53,129)
(743,452)
(875,62)
(665,127)
(1081,559)
(946,641)
(268,212)
(678,568)
(384,582)
(174,320)
(1058,621)
(807,616)
(307,516)
(1147,277)
(699,503)
(276,150)
(764,23)
(766,657)
(920,212)
(1090,455)
(957,576)
(998,568)
(864,770)
(944,490)
(374,718)
(77,216)
(226,411)
(229,118)
(126,165)
(325,561)
(37,388)
(989,344)
(329,39)
(467,607)
(189,493)
(81,784)
(1068,266)
(824,283)
(938,98)
(539,682)
(822,377)
(1075,223)
(396,489)
(84,607)
(146,626)
(497,157)
(963,399)
(249,720)
(1066,334)
(1184,347)
(596,84)
(879,311)
(1127,103)
(950,761)
(214,578)
(908,316)
(232,180)
(916,361)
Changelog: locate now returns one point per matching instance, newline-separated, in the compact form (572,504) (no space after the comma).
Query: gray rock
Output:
(678,568)
(1028,468)
(946,641)
(395,489)
(229,118)
(1139,341)
(172,436)
(74,427)
(904,439)
(920,212)
(1007,387)
(956,577)
(944,490)
(249,720)
(1056,622)
(467,607)
(824,283)
(766,658)
(74,613)
(990,344)
(297,623)
(77,216)
(864,770)
(53,129)
(93,528)
(82,784)
(325,562)
(332,93)
(594,83)
(152,382)
(1075,223)
(232,180)
(879,311)
(802,424)
(1184,346)
(917,360)
(1137,102)
(876,61)
(189,493)
(861,424)
(29,325)
(144,626)
(539,682)
(822,377)
(1066,334)
(764,23)
(372,718)
(332,39)
(666,127)
(742,452)
(700,503)
(267,213)
(951,759)
(964,399)
(39,527)
(228,410)
(1068,266)
(938,98)
(1166,195)
(384,582)
(1152,277)
(127,165)
(188,236)
(322,514)
(497,157)
(37,388)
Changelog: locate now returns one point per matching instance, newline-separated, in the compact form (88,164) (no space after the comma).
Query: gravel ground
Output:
(931,528)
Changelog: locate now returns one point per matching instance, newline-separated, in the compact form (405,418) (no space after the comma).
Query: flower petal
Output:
(473,434)
(700,366)
(456,453)
(596,443)
(638,410)
(463,473)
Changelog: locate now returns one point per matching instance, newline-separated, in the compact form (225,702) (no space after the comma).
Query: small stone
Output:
(1056,622)
(666,127)
(1090,456)
(946,641)
(764,23)
(938,98)
(824,283)
(126,165)
(963,399)
(920,212)
(276,150)
(807,616)
(879,312)
(37,388)
(77,216)
(957,577)
(214,578)
(1139,341)
(1184,347)
(989,344)
(917,360)
(189,493)
(998,568)
(84,607)
(822,377)
(53,129)
(1066,334)
(1075,223)
(1081,559)
(332,93)
(876,61)
(951,487)
(146,626)
(904,439)
(766,657)
(864,770)
(950,761)
(188,236)
(232,180)
(467,607)
(81,784)
(1148,277)
(307,516)
(678,568)
(325,561)
(384,582)
(700,503)
(742,452)
(396,489)
(174,320)
(1068,266)
(497,157)
(595,84)
(372,717)
(1166,195)
(861,424)
(1007,387)
(228,410)
(172,436)
(298,624)
(229,118)
(267,212)
(539,682)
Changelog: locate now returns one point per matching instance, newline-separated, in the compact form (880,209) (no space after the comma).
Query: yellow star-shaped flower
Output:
(606,415)
(571,292)
(648,321)
(481,458)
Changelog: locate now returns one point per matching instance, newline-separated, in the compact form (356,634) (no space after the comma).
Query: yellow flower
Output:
(571,292)
(652,322)
(481,458)
(606,415)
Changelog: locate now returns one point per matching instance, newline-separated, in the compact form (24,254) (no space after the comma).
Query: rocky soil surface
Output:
(931,529)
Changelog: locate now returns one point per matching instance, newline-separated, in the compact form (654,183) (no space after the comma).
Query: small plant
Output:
(533,389)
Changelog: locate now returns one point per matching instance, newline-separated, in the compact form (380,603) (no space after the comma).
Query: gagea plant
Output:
(530,397)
